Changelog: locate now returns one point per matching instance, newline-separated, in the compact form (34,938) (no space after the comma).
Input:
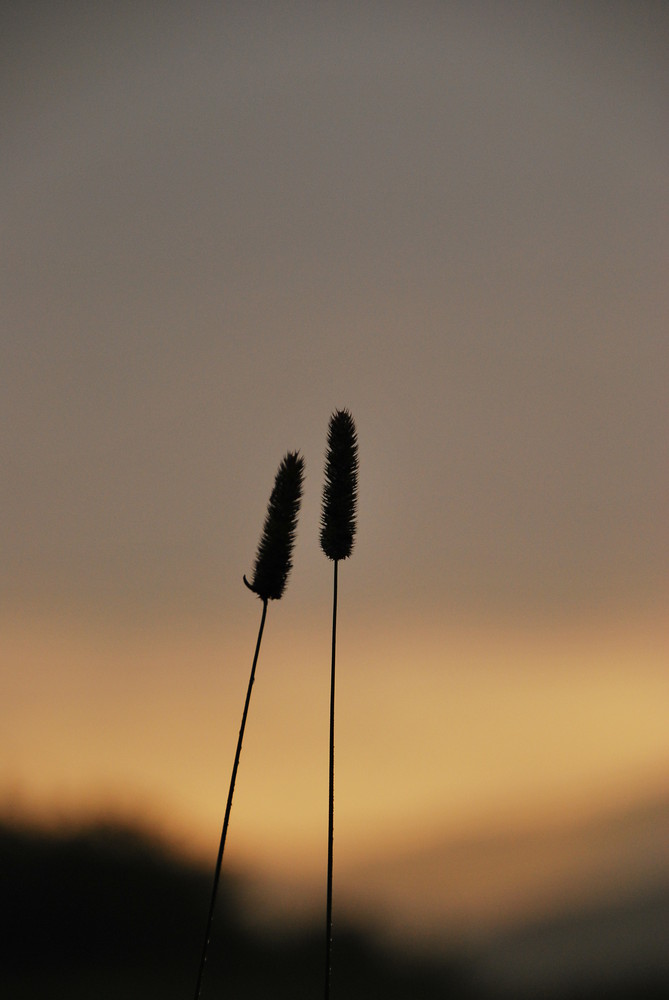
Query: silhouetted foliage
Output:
(108,913)
(93,895)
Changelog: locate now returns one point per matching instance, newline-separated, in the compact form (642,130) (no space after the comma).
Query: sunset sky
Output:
(220,222)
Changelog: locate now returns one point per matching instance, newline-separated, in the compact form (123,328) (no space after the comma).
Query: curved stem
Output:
(228,807)
(328,917)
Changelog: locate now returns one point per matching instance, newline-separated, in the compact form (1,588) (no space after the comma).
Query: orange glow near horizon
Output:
(439,728)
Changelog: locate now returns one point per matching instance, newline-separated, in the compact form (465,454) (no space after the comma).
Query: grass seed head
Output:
(273,560)
(340,493)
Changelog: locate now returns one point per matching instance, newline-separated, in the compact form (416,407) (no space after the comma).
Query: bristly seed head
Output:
(273,560)
(340,493)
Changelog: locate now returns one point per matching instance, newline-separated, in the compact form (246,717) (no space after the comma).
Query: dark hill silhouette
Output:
(107,912)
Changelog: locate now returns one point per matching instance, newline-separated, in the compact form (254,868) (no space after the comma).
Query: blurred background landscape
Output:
(220,223)
(109,910)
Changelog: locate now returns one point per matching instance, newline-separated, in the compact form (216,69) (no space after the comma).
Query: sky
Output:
(221,222)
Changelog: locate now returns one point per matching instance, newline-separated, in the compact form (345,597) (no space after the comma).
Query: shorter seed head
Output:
(273,560)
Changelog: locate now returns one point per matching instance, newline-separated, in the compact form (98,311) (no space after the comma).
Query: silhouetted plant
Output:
(270,574)
(338,523)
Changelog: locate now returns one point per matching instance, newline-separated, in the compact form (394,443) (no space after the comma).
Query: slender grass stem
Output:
(328,909)
(337,535)
(228,807)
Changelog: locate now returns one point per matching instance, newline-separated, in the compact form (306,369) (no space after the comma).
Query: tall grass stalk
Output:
(270,574)
(338,524)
